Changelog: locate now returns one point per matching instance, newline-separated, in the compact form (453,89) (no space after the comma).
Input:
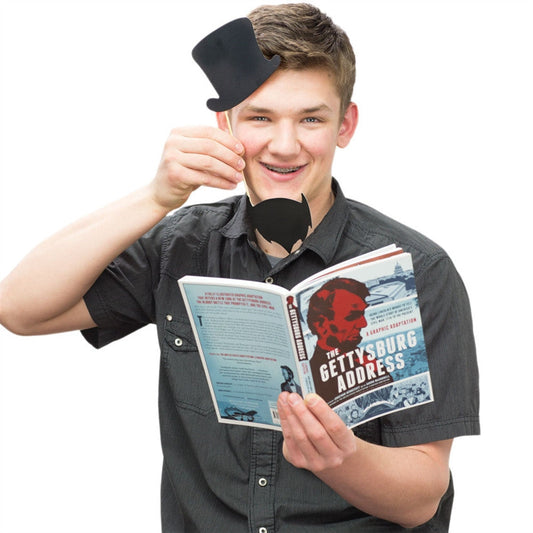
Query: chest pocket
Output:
(183,366)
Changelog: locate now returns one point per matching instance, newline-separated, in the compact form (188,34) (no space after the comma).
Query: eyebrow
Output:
(305,111)
(316,109)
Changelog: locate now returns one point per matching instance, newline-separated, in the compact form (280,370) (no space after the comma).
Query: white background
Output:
(90,90)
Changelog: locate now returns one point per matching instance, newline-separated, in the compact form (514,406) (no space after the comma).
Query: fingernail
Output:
(311,399)
(294,399)
(239,147)
(240,164)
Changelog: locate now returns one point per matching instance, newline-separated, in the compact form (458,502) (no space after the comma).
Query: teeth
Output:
(281,170)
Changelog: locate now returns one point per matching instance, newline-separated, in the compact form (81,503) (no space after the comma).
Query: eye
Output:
(259,119)
(311,120)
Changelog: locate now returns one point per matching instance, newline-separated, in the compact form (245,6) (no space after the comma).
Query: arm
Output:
(401,485)
(44,293)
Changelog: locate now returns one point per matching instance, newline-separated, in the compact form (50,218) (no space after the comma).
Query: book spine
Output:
(296,329)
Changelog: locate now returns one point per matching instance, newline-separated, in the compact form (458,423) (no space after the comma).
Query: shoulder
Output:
(439,285)
(193,223)
(180,239)
(202,217)
(378,229)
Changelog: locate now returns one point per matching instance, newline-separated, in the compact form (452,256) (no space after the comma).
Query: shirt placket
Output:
(263,465)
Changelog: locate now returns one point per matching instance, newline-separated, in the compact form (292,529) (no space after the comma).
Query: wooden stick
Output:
(243,177)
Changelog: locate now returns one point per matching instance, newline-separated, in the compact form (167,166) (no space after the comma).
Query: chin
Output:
(291,191)
(256,199)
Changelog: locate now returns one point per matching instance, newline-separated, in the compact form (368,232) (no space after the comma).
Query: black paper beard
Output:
(281,220)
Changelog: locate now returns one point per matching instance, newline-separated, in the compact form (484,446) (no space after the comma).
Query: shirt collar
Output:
(325,238)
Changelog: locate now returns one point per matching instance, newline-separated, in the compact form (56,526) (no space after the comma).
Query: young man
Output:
(117,270)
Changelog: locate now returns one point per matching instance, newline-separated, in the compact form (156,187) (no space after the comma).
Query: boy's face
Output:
(290,128)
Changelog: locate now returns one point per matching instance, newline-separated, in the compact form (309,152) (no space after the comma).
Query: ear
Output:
(348,125)
(222,121)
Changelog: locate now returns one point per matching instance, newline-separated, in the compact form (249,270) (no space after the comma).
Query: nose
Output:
(284,141)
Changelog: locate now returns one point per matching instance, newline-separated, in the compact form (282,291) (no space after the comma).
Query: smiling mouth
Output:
(282,170)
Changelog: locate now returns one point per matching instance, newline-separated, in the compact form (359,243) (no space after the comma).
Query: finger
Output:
(216,134)
(212,148)
(309,436)
(186,170)
(208,140)
(198,161)
(290,406)
(331,421)
(289,420)
(314,428)
(176,179)
(297,448)
(197,166)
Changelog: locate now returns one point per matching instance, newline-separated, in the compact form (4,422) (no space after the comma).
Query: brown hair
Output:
(304,37)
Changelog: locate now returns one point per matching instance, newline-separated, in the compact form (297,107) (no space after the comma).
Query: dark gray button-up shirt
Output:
(220,477)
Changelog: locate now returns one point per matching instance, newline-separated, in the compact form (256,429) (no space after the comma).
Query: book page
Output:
(246,347)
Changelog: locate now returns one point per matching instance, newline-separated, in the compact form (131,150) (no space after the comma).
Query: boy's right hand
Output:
(195,156)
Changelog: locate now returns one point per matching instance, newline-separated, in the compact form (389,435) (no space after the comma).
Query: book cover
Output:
(364,339)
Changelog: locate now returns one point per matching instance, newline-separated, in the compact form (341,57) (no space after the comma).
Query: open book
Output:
(352,333)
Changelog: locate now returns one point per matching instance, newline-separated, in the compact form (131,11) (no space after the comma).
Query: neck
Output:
(318,212)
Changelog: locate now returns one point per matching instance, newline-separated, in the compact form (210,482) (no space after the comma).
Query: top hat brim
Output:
(240,89)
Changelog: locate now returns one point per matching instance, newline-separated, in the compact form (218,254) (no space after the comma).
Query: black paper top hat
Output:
(232,60)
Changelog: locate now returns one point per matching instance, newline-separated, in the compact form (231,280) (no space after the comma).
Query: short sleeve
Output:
(121,300)
(450,345)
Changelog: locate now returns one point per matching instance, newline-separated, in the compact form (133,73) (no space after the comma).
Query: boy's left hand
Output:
(315,437)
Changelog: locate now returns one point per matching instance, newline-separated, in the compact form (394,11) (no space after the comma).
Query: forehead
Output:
(295,90)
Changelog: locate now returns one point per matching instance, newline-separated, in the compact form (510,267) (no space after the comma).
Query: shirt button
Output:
(270,279)
(169,318)
(178,341)
(263,530)
(262,482)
